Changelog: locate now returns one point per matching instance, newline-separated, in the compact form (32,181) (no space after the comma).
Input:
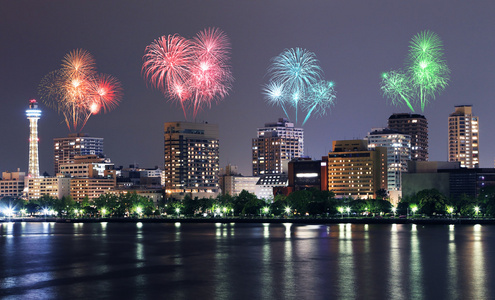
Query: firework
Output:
(77,91)
(426,74)
(296,80)
(193,72)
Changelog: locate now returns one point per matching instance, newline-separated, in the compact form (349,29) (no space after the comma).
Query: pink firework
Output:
(194,73)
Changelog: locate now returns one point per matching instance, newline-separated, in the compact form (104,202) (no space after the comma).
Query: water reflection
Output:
(253,261)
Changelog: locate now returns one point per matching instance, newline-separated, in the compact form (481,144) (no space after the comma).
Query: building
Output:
(91,188)
(464,137)
(268,185)
(76,144)
(57,187)
(33,114)
(354,171)
(191,159)
(233,183)
(275,145)
(416,126)
(305,173)
(447,177)
(86,166)
(398,147)
(12,184)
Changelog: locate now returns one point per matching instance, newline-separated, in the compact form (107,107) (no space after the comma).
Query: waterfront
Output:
(50,260)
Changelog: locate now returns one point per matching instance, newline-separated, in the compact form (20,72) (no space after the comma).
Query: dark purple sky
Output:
(354,40)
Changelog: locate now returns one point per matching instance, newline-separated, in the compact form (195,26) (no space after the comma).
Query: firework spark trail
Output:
(296,79)
(193,72)
(77,91)
(426,73)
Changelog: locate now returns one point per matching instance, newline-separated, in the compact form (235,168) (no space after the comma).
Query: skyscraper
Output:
(275,145)
(416,126)
(33,114)
(398,147)
(354,171)
(191,159)
(464,137)
(76,144)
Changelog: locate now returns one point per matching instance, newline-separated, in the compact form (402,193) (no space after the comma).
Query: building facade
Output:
(12,184)
(57,187)
(398,147)
(464,137)
(416,126)
(91,188)
(191,159)
(354,171)
(275,145)
(76,144)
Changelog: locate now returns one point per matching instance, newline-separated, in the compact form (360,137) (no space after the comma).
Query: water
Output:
(246,261)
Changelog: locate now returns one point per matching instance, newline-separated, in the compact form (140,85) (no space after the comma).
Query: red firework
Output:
(194,72)
(78,91)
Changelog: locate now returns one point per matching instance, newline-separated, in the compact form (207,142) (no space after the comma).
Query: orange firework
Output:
(77,91)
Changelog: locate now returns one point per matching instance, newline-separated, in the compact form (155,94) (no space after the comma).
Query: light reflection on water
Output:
(245,261)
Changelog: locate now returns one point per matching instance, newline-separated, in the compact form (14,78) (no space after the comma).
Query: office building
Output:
(12,184)
(76,144)
(398,147)
(354,171)
(191,159)
(416,126)
(57,187)
(464,137)
(275,145)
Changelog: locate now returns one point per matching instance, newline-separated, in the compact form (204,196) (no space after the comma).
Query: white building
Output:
(275,145)
(464,137)
(235,184)
(398,153)
(265,185)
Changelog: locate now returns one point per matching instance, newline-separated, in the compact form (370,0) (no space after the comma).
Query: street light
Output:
(348,210)
(266,210)
(341,210)
(177,211)
(287,210)
(45,211)
(476,210)
(139,210)
(450,210)
(414,209)
(394,210)
(103,212)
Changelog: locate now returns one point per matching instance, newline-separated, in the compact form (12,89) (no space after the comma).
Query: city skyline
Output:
(354,41)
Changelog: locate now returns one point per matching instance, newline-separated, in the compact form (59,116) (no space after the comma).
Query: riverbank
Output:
(322,221)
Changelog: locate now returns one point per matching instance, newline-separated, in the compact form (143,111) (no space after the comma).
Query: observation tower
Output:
(33,114)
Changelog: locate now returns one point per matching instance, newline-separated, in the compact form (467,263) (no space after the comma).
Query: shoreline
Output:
(322,221)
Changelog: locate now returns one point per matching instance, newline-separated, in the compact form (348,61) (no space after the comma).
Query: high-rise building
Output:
(354,171)
(76,144)
(464,137)
(398,147)
(416,126)
(275,145)
(191,159)
(33,114)
(12,184)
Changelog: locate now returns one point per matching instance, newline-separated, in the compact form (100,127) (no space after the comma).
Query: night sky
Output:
(355,41)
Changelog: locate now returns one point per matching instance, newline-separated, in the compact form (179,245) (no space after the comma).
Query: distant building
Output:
(354,171)
(191,159)
(448,178)
(76,144)
(275,145)
(86,166)
(268,184)
(12,184)
(464,137)
(305,173)
(91,188)
(416,126)
(57,187)
(233,183)
(398,147)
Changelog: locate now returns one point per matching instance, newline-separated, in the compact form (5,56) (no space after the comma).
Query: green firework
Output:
(426,73)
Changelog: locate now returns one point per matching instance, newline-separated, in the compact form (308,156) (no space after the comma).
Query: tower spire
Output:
(33,114)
